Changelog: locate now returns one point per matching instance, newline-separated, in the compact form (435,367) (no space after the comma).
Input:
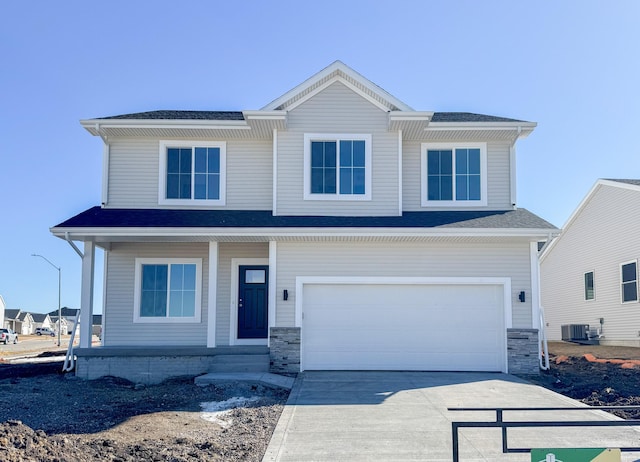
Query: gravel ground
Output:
(47,416)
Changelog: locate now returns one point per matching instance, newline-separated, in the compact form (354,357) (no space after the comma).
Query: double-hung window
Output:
(192,173)
(629,281)
(454,174)
(337,167)
(589,286)
(167,290)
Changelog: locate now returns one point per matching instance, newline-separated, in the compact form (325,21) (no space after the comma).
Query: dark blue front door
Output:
(252,302)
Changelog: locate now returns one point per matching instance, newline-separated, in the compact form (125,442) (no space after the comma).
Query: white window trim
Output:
(162,183)
(138,290)
(424,202)
(621,290)
(337,137)
(584,283)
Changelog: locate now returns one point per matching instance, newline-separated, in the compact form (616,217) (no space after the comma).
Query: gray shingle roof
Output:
(11,314)
(39,317)
(468,117)
(180,115)
(98,217)
(633,182)
(236,115)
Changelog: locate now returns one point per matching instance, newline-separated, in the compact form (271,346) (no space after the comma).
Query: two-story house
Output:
(335,228)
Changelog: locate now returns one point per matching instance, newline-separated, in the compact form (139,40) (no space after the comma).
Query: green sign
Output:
(576,455)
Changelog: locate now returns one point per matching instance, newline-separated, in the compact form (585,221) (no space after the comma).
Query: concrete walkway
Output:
(402,416)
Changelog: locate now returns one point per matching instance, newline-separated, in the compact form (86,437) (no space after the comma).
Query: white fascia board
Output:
(94,126)
(300,232)
(410,115)
(523,129)
(265,115)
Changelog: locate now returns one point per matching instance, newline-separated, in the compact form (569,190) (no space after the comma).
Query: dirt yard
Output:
(47,416)
(594,381)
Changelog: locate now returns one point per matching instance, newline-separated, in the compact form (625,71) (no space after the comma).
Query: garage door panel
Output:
(403,327)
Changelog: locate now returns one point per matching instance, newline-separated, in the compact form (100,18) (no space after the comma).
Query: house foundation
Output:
(522,351)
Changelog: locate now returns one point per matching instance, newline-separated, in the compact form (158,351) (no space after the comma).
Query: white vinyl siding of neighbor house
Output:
(337,109)
(498,177)
(602,237)
(510,258)
(119,328)
(226,252)
(134,174)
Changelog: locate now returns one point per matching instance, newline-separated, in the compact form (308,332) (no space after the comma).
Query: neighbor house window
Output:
(337,167)
(192,173)
(589,293)
(629,279)
(454,174)
(167,290)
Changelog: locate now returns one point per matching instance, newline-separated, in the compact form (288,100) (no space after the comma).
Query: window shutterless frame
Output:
(629,281)
(140,263)
(589,286)
(193,171)
(456,172)
(345,171)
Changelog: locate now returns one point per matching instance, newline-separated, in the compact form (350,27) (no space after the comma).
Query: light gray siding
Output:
(134,174)
(404,259)
(604,234)
(119,329)
(498,177)
(337,109)
(227,252)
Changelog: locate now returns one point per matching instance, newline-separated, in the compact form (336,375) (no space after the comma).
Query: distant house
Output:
(589,274)
(3,306)
(65,324)
(27,324)
(96,325)
(11,320)
(70,315)
(41,320)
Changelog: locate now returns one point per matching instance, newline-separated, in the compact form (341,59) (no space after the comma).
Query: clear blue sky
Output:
(571,66)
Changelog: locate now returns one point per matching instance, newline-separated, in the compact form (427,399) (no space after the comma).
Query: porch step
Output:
(240,363)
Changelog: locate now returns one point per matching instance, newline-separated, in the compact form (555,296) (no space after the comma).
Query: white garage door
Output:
(435,327)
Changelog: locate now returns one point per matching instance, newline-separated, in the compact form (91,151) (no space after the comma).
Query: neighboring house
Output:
(27,324)
(335,228)
(96,327)
(70,315)
(65,324)
(589,273)
(40,320)
(3,307)
(11,320)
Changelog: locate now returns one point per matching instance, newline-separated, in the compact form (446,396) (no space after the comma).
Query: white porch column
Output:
(273,247)
(86,294)
(213,295)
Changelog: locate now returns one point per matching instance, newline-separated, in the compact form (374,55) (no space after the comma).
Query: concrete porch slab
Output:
(264,378)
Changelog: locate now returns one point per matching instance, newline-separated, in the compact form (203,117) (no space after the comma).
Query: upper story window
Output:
(192,173)
(454,174)
(629,281)
(589,286)
(337,167)
(167,290)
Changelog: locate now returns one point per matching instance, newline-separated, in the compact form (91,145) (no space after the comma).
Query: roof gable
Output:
(337,72)
(628,184)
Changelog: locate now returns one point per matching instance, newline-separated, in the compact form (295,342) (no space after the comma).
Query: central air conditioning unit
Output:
(578,333)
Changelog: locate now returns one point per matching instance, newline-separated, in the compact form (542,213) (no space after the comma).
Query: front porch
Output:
(153,364)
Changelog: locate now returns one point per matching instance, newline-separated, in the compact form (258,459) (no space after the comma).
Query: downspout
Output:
(512,160)
(106,151)
(543,346)
(69,359)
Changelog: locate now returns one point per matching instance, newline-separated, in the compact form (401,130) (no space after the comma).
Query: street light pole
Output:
(59,284)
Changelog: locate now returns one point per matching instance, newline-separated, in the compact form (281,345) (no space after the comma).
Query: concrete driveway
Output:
(402,416)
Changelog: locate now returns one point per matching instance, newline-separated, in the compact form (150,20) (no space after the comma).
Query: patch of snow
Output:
(218,411)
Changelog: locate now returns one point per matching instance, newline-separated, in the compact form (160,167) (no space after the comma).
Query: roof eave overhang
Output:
(256,124)
(521,129)
(85,233)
